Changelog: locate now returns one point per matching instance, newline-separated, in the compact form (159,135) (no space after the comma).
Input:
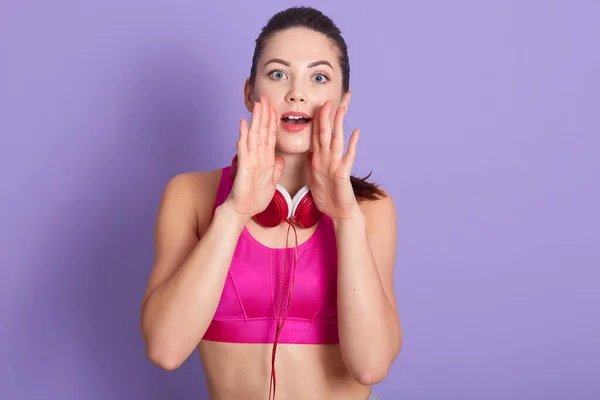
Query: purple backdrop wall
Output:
(481,119)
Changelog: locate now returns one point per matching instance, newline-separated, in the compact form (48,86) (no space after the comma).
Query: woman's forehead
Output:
(299,45)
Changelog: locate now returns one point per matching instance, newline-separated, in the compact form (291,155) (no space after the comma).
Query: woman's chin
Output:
(285,150)
(300,144)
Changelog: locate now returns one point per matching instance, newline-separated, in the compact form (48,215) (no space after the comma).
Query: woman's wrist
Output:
(227,212)
(355,219)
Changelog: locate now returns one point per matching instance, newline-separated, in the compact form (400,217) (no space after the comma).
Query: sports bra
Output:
(260,276)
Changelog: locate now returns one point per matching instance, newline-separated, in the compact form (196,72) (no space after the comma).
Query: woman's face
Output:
(297,72)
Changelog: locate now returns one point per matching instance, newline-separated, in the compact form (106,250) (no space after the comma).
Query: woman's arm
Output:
(369,326)
(188,277)
(187,281)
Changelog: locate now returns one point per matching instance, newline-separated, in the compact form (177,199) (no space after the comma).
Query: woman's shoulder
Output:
(198,185)
(193,193)
(379,211)
(195,180)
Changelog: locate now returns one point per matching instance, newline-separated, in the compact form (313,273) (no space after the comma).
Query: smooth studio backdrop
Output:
(481,119)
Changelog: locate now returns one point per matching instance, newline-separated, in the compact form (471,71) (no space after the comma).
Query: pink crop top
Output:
(248,306)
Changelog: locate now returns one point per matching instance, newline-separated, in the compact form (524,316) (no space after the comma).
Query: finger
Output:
(242,145)
(315,130)
(273,126)
(309,162)
(337,143)
(254,127)
(351,152)
(309,158)
(279,163)
(264,121)
(325,126)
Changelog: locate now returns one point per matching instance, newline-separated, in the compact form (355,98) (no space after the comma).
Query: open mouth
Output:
(294,120)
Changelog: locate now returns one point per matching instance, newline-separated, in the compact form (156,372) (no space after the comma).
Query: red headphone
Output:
(300,210)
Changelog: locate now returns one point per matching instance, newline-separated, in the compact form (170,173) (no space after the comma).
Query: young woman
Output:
(279,267)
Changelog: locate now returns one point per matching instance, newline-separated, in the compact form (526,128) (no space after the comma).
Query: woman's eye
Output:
(320,78)
(277,75)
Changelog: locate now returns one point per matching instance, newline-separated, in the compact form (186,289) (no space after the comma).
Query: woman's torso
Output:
(243,370)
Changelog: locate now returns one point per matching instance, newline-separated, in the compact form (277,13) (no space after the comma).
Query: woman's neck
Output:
(295,173)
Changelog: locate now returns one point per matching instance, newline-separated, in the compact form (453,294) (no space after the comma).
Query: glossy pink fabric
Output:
(247,309)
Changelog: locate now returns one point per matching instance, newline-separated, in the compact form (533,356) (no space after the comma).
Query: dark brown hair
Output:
(310,18)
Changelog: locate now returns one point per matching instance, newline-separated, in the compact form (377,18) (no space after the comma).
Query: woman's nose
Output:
(295,96)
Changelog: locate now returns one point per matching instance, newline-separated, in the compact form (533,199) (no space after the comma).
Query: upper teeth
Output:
(294,117)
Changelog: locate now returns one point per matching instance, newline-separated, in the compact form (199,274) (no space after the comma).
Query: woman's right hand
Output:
(258,169)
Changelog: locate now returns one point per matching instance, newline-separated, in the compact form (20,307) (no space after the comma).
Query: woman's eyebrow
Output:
(287,63)
(320,62)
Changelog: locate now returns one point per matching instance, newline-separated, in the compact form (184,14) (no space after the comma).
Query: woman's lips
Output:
(295,121)
(294,127)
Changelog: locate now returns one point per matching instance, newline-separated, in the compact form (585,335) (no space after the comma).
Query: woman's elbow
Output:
(374,371)
(372,376)
(164,359)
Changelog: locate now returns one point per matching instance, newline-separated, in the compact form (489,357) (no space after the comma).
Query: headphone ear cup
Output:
(275,213)
(307,214)
(233,169)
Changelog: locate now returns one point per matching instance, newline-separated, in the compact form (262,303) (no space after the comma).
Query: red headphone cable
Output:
(280,322)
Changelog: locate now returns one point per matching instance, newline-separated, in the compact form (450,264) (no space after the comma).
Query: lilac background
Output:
(481,118)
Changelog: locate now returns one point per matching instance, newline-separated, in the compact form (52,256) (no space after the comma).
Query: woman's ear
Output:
(248,92)
(346,98)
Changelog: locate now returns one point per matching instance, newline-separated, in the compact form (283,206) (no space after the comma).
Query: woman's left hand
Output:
(329,169)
